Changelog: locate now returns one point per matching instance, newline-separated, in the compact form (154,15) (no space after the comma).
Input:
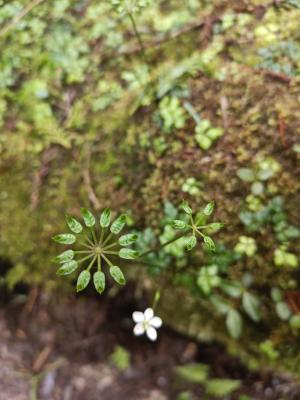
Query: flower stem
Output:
(109,246)
(91,263)
(138,36)
(107,260)
(99,262)
(85,258)
(160,246)
(107,239)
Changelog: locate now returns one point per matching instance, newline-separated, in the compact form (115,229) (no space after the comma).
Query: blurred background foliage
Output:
(209,110)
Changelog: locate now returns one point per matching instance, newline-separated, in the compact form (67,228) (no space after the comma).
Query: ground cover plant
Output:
(168,132)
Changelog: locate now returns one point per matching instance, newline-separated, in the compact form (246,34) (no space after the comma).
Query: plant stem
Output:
(138,36)
(110,245)
(91,263)
(111,252)
(89,240)
(107,260)
(82,252)
(85,258)
(85,245)
(107,239)
(160,246)
(99,262)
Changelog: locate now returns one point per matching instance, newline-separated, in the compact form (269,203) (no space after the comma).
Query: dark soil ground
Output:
(60,350)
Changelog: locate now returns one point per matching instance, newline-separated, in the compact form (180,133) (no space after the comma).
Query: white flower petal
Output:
(151,333)
(149,313)
(139,329)
(138,316)
(156,322)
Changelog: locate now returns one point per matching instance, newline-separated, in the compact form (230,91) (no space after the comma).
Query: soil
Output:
(59,349)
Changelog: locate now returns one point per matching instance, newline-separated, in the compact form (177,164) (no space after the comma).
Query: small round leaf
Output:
(65,238)
(83,280)
(67,255)
(127,240)
(67,268)
(73,224)
(118,224)
(99,281)
(105,218)
(191,243)
(117,275)
(128,254)
(88,217)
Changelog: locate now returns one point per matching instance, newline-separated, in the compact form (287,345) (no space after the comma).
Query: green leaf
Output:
(73,224)
(257,188)
(234,323)
(295,322)
(118,224)
(128,254)
(209,243)
(105,218)
(276,294)
(127,240)
(67,268)
(209,208)
(191,243)
(88,217)
(186,207)
(117,275)
(65,238)
(251,306)
(282,310)
(99,281)
(215,226)
(67,255)
(221,387)
(196,373)
(83,280)
(233,289)
(220,304)
(246,174)
(178,224)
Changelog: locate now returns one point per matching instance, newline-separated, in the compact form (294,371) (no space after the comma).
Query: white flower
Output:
(146,322)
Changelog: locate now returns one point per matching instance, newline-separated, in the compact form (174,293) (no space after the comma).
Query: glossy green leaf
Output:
(65,238)
(73,224)
(83,280)
(118,224)
(191,243)
(209,243)
(195,373)
(178,224)
(88,217)
(67,255)
(233,289)
(209,208)
(128,254)
(127,240)
(282,310)
(105,218)
(221,387)
(234,323)
(251,306)
(99,281)
(186,208)
(117,275)
(67,268)
(215,226)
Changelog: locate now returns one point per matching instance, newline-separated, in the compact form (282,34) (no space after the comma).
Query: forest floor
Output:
(61,350)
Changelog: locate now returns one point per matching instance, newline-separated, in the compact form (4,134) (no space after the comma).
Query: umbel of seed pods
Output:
(95,243)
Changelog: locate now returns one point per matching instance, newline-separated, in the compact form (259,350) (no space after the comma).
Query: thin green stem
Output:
(138,36)
(99,262)
(111,252)
(89,240)
(91,263)
(109,246)
(85,258)
(160,246)
(107,260)
(86,245)
(101,236)
(107,239)
(200,233)
(94,236)
(82,252)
